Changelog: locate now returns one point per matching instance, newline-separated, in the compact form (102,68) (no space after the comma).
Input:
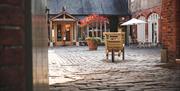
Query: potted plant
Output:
(93,42)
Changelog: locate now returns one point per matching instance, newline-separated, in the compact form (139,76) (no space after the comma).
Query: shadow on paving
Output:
(161,78)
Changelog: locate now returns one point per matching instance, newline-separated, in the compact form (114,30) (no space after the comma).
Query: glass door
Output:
(67,32)
(59,32)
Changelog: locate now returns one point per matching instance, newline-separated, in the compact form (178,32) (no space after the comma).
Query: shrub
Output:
(94,39)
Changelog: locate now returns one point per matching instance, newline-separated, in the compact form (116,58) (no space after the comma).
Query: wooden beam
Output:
(87,30)
(92,32)
(105,27)
(101,31)
(96,29)
(76,32)
(50,35)
(55,33)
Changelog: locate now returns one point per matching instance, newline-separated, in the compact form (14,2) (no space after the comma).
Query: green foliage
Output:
(95,39)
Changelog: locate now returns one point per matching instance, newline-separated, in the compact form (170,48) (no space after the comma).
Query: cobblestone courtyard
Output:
(77,69)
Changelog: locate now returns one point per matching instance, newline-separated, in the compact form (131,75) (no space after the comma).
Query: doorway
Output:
(154,32)
(153,28)
(67,29)
(64,26)
(63,33)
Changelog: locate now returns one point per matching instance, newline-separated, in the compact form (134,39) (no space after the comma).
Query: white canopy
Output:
(133,21)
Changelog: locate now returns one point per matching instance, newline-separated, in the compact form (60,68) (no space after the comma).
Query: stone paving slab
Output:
(77,69)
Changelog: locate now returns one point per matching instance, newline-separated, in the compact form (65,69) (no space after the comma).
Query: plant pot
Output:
(92,45)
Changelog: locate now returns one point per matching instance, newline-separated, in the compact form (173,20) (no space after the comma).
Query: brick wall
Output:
(178,29)
(12,50)
(144,4)
(169,25)
(147,12)
(170,28)
(16,47)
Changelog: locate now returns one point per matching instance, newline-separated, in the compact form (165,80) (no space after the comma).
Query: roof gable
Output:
(63,15)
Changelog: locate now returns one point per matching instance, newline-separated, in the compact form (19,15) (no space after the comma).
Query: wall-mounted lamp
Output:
(122,18)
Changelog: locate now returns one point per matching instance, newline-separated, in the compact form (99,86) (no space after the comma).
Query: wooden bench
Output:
(114,42)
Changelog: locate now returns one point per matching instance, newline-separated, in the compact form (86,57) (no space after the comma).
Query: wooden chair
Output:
(114,42)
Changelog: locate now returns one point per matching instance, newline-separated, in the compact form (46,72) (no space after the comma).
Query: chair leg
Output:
(123,54)
(112,55)
(106,55)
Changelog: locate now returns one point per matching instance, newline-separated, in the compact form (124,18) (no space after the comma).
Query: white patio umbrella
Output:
(133,21)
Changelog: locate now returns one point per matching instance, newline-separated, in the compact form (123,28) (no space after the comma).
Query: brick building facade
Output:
(168,11)
(146,13)
(149,11)
(170,28)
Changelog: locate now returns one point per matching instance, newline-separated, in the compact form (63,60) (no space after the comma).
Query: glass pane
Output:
(59,33)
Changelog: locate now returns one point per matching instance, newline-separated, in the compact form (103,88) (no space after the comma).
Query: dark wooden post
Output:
(123,55)
(112,55)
